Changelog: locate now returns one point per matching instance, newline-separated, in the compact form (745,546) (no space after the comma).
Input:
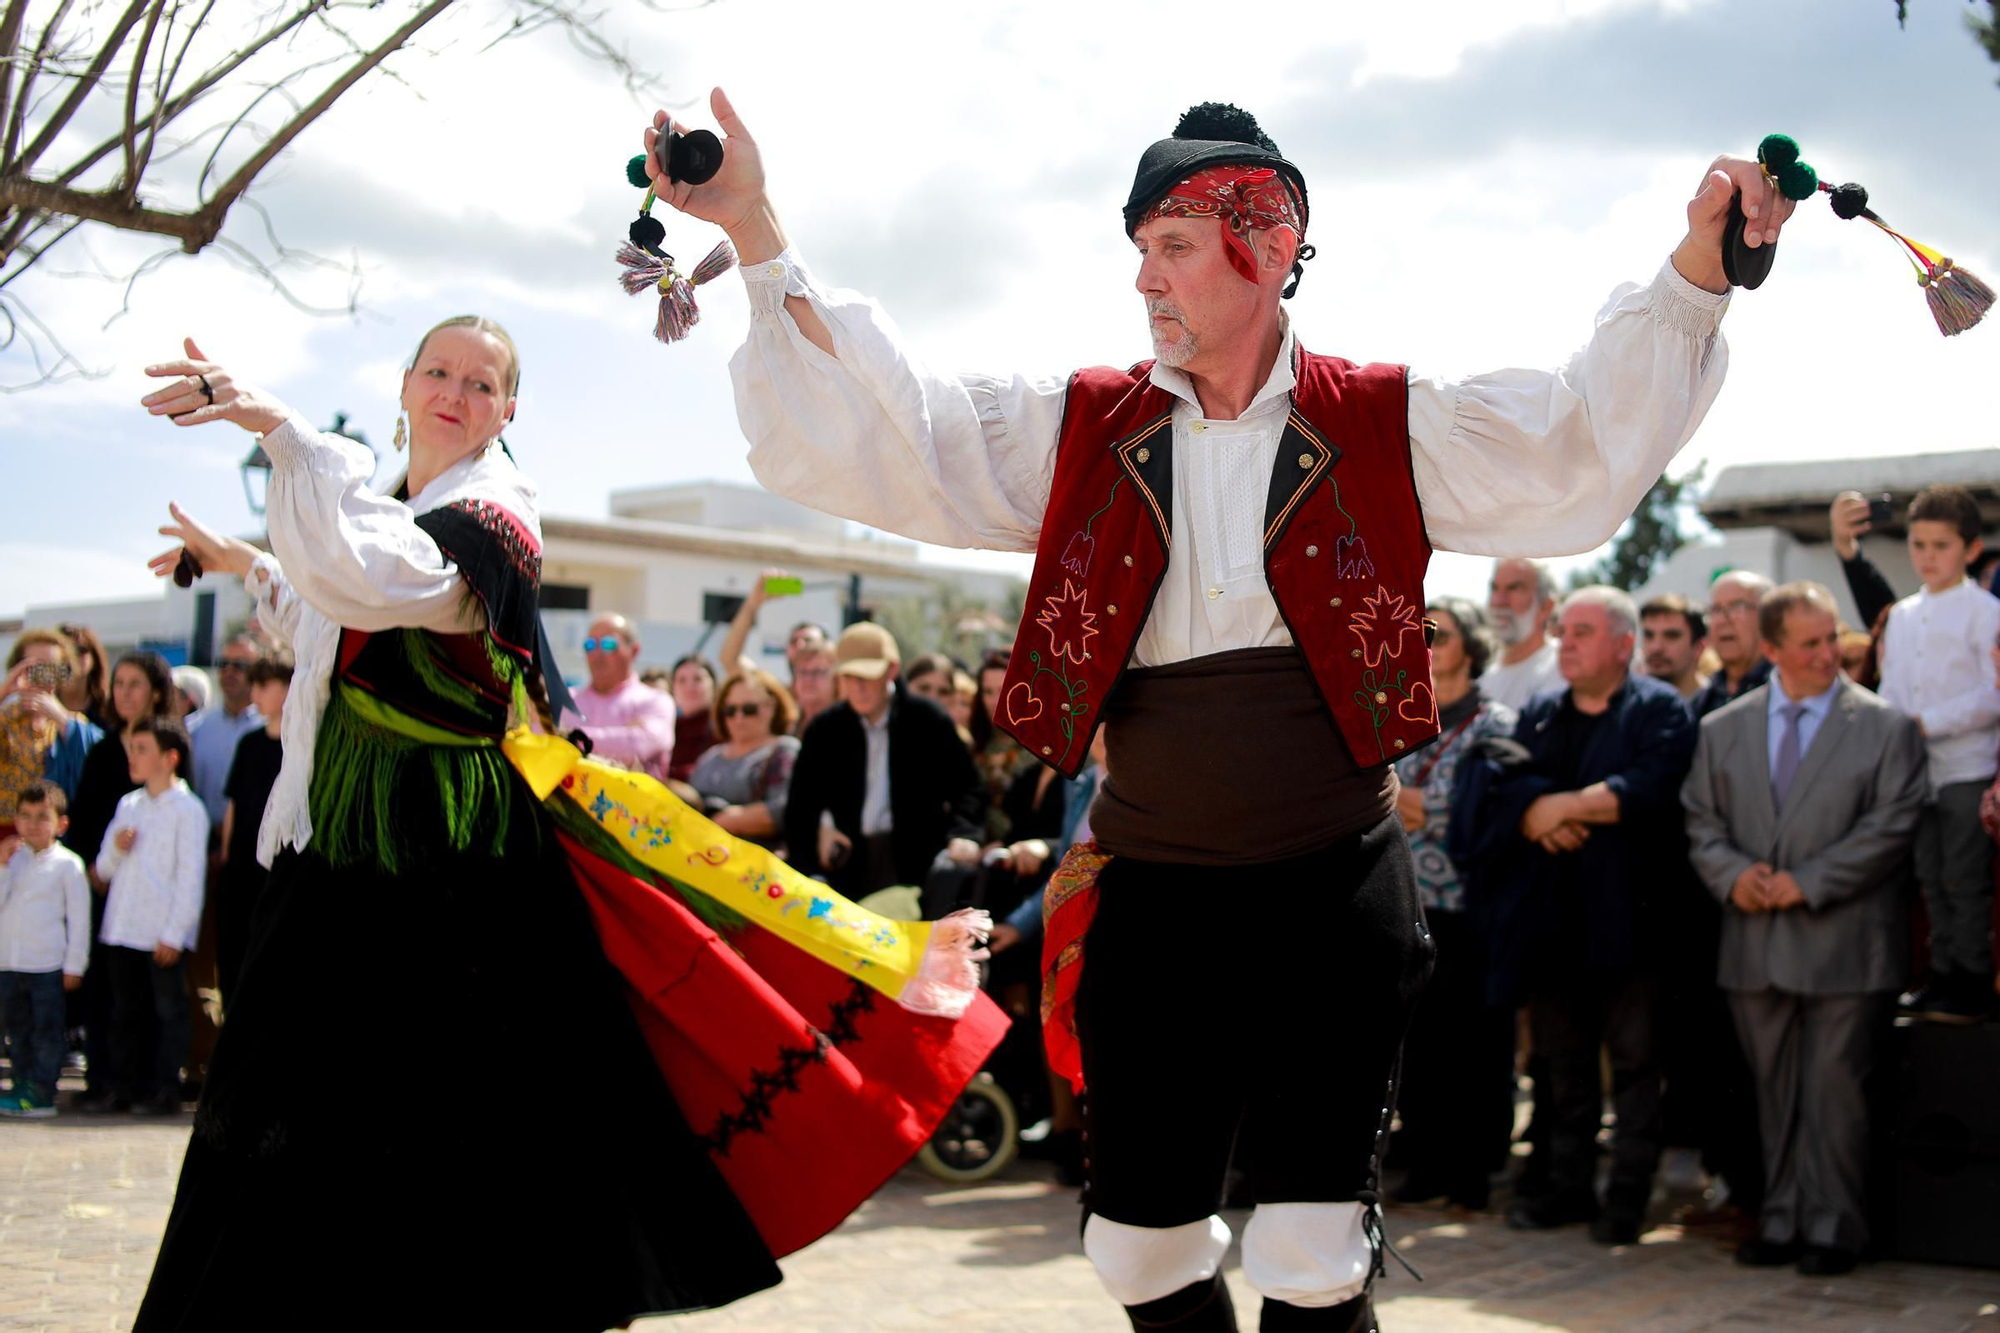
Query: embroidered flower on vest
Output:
(1071,625)
(1350,559)
(1076,556)
(1382,616)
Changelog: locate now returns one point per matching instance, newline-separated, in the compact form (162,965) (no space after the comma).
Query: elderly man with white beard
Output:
(1231,542)
(1522,600)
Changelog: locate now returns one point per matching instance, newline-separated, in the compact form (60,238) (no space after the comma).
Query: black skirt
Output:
(431,1104)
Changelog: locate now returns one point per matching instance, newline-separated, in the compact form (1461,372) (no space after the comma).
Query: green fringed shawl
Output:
(377,771)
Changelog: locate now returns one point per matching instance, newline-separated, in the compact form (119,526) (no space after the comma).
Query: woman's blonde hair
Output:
(479,324)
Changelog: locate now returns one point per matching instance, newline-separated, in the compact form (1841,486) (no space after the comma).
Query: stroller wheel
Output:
(977,1137)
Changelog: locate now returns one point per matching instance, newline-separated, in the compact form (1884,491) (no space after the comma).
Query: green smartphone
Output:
(781,587)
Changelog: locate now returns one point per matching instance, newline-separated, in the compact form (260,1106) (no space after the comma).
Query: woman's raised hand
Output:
(203,391)
(734,197)
(214,552)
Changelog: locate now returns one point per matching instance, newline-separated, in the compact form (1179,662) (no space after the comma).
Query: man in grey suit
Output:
(1801,808)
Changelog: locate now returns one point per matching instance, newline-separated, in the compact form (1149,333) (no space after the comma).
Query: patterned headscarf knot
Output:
(1243,199)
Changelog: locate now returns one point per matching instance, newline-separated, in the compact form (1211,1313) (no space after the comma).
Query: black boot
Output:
(1354,1315)
(1200,1307)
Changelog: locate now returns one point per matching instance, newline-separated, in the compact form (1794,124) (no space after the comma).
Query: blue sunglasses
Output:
(608,644)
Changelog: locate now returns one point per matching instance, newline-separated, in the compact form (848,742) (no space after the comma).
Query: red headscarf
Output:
(1242,198)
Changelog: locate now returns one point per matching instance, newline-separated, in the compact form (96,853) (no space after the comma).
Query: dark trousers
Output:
(33,1004)
(1257,1007)
(1457,1100)
(149,1024)
(1954,863)
(1572,1018)
(1710,1099)
(1815,1058)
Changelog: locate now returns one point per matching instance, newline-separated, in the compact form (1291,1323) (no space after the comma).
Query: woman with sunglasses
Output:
(744,778)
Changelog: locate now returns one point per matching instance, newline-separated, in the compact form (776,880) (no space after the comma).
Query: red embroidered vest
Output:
(1344,555)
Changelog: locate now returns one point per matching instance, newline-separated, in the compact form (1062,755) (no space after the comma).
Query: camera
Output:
(1881,512)
(47,675)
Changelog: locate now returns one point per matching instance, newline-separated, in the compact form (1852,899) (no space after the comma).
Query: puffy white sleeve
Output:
(277,605)
(356,556)
(877,436)
(1552,462)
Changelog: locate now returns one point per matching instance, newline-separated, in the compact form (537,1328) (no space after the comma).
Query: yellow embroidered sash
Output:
(930,967)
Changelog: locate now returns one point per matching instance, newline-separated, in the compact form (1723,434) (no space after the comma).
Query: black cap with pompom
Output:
(1209,135)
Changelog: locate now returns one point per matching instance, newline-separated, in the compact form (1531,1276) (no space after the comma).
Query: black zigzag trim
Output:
(755,1107)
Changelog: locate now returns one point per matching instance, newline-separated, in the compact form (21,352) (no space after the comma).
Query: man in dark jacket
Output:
(1583,836)
(882,783)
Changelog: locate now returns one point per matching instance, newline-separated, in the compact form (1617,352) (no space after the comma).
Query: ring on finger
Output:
(206,391)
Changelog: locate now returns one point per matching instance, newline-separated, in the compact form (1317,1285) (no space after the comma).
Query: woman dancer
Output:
(537,1142)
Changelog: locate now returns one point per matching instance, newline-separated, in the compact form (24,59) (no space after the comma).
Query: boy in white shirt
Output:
(1936,667)
(44,944)
(155,855)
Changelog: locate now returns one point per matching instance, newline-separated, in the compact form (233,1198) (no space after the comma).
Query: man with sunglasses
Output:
(214,731)
(627,720)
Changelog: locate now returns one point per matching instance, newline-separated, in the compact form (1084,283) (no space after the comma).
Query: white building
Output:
(1772,518)
(676,560)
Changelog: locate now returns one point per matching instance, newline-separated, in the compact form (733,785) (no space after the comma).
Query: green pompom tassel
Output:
(1777,152)
(635,170)
(1798,181)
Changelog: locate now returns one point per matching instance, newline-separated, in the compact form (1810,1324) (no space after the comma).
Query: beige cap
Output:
(865,650)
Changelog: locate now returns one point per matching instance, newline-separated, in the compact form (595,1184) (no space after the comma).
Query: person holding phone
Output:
(39,737)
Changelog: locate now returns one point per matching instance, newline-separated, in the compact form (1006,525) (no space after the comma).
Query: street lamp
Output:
(256,468)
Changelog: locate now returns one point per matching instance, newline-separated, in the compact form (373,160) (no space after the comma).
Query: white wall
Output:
(1782,558)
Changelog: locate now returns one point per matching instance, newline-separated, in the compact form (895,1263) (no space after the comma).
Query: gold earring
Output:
(401,437)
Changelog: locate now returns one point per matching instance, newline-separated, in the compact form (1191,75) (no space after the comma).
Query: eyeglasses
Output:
(228,664)
(1735,608)
(742,710)
(610,643)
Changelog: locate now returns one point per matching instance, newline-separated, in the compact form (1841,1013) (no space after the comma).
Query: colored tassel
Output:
(678,313)
(1957,299)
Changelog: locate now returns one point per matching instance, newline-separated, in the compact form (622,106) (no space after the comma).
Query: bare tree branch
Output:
(234,187)
(132,101)
(61,117)
(11,24)
(131,70)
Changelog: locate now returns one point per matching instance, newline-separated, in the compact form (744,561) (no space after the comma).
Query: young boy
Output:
(44,944)
(155,856)
(252,774)
(1936,668)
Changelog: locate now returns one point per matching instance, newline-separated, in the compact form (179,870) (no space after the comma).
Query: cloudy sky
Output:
(1483,172)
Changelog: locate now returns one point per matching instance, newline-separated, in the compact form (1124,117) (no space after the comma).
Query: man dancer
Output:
(1248,524)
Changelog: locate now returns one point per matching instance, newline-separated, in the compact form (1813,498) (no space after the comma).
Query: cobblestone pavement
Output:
(82,1202)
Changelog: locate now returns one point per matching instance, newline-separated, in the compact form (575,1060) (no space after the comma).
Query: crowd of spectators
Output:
(1688,860)
(1671,843)
(130,796)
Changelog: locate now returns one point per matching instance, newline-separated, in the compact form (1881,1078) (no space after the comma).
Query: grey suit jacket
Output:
(1845,835)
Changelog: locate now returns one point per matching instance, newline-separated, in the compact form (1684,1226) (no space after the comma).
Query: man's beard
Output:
(1174,354)
(1512,627)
